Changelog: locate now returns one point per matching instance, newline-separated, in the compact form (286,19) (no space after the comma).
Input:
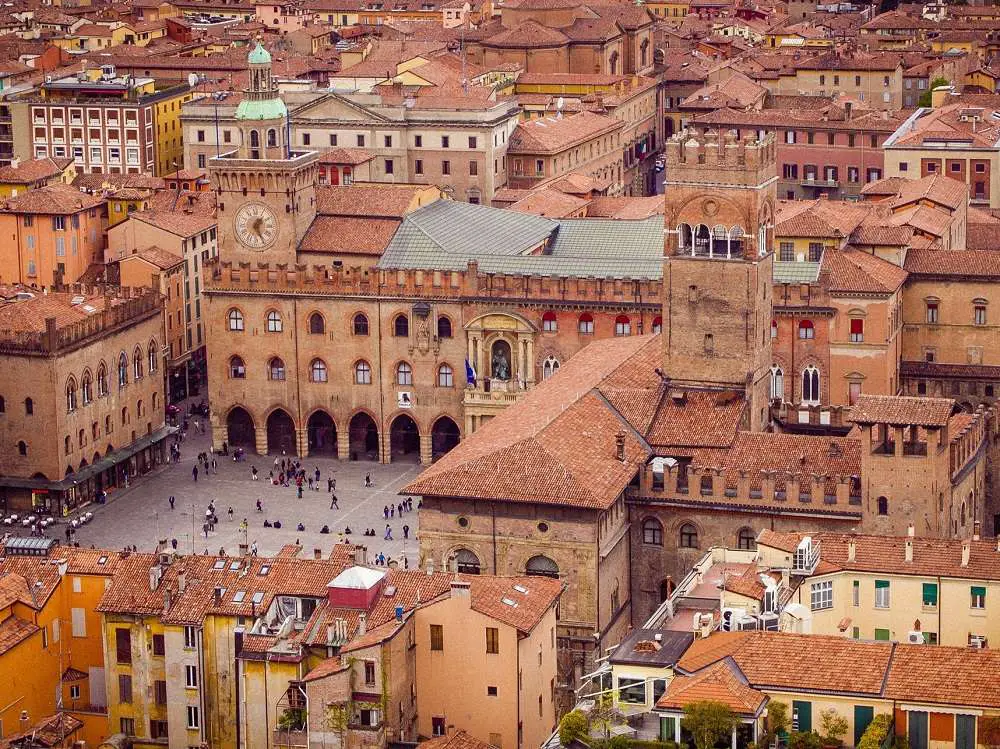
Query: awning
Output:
(108,461)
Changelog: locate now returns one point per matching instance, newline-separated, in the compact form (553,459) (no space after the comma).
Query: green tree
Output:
(925,97)
(572,727)
(336,718)
(604,714)
(708,722)
(833,727)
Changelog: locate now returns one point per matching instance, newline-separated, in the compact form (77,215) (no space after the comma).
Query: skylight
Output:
(257,597)
(520,589)
(233,566)
(264,569)
(240,595)
(220,564)
(509,602)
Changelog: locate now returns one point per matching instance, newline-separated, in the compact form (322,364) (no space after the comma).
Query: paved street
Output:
(141,514)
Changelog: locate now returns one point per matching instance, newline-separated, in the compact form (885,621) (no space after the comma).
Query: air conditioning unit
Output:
(768,622)
(916,637)
(977,642)
(745,623)
(730,617)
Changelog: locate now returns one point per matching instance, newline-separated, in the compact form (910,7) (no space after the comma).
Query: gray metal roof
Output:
(446,235)
(786,271)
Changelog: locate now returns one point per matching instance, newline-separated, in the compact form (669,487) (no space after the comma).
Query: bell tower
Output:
(266,190)
(719,213)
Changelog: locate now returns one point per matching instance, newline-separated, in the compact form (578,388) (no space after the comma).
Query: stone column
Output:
(385,447)
(732,742)
(260,440)
(677,730)
(426,449)
(302,442)
(220,434)
(344,445)
(529,376)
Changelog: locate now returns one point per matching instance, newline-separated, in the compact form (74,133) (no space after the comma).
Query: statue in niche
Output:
(500,363)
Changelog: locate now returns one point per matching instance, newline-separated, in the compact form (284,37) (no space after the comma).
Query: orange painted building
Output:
(49,235)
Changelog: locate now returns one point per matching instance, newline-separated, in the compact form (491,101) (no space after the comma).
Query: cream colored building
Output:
(905,589)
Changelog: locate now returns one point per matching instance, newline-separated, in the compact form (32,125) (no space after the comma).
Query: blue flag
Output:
(470,373)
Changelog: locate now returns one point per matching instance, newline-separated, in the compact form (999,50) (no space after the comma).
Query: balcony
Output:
(814,182)
(805,558)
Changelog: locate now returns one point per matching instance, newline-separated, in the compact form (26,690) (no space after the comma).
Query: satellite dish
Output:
(192,79)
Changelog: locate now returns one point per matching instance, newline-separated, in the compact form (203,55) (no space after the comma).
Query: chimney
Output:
(362,623)
(909,550)
(910,530)
(430,565)
(620,446)
(461,589)
(330,630)
(217,595)
(976,528)
(181,580)
(360,552)
(785,578)
(317,553)
(166,599)
(154,577)
(852,550)
(966,552)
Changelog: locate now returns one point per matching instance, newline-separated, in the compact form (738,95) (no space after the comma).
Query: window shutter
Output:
(880,584)
(930,594)
(857,326)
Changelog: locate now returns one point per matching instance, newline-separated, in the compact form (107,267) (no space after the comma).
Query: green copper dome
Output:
(259,56)
(261,109)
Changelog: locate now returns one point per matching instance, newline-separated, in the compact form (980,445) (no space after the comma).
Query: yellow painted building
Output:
(20,177)
(169,134)
(668,8)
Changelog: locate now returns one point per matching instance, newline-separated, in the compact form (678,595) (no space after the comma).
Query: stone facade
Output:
(77,394)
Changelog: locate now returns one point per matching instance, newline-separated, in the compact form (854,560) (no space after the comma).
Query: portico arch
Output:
(322,433)
(363,437)
(240,427)
(280,432)
(404,439)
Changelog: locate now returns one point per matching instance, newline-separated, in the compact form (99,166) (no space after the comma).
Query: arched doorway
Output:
(280,432)
(404,439)
(240,428)
(444,436)
(322,434)
(363,437)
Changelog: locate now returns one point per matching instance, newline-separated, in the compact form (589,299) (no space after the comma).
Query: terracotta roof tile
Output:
(351,156)
(528,34)
(902,410)
(853,271)
(161,258)
(962,263)
(367,200)
(30,314)
(178,223)
(551,134)
(348,234)
(32,171)
(698,419)
(949,676)
(717,683)
(56,199)
(458,740)
(13,631)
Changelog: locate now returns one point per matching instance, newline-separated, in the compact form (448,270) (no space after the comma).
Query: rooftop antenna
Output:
(560,103)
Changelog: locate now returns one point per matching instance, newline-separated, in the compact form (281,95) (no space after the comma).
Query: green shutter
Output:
(879,584)
(802,712)
(917,729)
(863,715)
(930,594)
(978,591)
(882,634)
(666,728)
(965,732)
(856,633)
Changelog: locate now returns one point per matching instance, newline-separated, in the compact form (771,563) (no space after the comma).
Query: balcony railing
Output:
(815,182)
(805,559)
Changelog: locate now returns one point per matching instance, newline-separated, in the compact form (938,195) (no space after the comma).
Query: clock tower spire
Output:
(266,189)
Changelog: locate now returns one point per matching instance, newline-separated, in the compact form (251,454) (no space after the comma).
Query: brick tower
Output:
(266,189)
(719,214)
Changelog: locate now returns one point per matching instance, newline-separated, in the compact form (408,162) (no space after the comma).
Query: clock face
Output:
(256,226)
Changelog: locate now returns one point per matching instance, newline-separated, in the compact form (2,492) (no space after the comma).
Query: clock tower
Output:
(266,190)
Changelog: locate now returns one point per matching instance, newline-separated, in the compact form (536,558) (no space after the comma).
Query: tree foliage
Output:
(708,722)
(925,97)
(572,727)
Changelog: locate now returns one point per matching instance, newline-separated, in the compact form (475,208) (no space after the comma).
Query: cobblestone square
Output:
(141,514)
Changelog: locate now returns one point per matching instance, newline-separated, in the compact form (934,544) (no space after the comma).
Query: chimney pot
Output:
(966,553)
(852,550)
(910,530)
(909,550)
(317,553)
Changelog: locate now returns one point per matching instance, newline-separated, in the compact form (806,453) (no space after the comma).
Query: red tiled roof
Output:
(32,171)
(980,264)
(366,200)
(14,630)
(853,271)
(717,683)
(551,134)
(902,410)
(348,234)
(458,740)
(56,199)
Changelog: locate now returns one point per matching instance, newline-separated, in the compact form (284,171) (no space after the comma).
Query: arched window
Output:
(657,324)
(22,448)
(235,320)
(586,324)
(273,321)
(963,511)
(883,507)
(254,139)
(777,383)
(542,566)
(317,325)
(688,536)
(363,373)
(102,380)
(549,324)
(237,369)
(138,410)
(446,377)
(623,326)
(652,532)
(774,329)
(746,539)
(108,425)
(404,374)
(736,241)
(124,415)
(360,324)
(87,388)
(151,356)
(444,327)
(67,445)
(156,403)
(810,385)
(272,138)
(467,562)
(401,326)
(317,370)
(137,363)
(276,369)
(806,330)
(549,367)
(122,370)
(3,404)
(71,395)
(684,238)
